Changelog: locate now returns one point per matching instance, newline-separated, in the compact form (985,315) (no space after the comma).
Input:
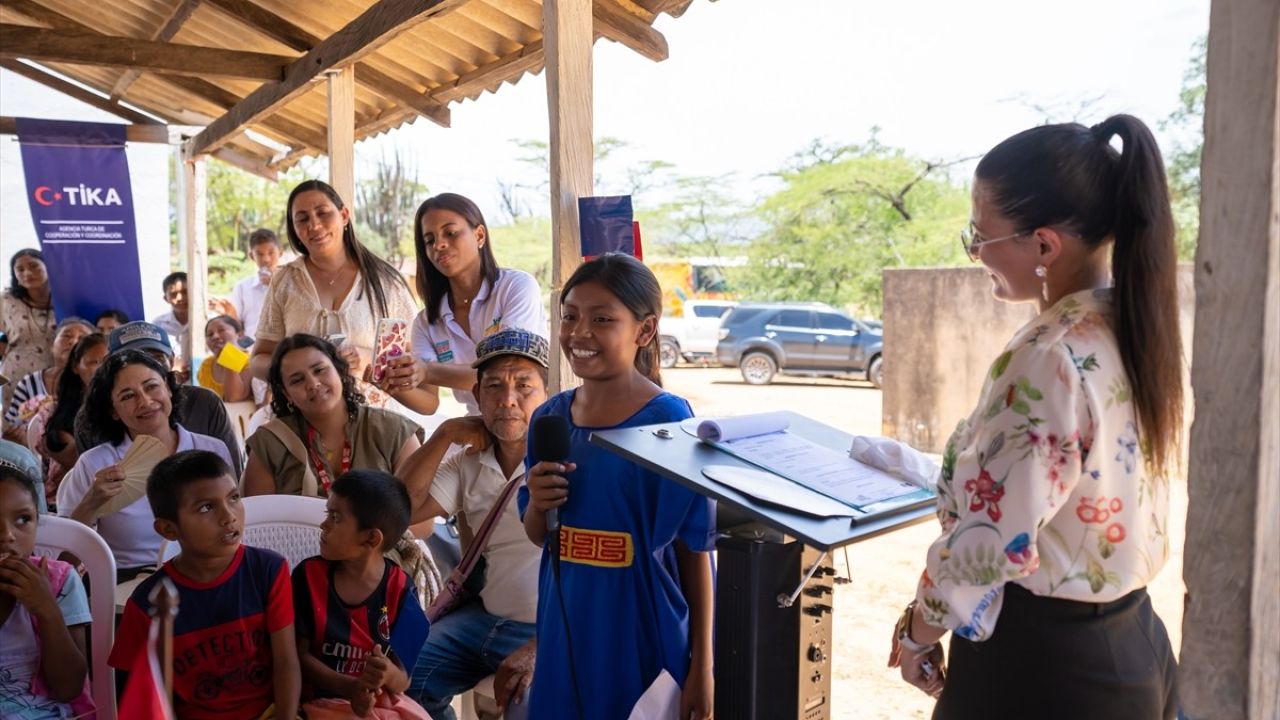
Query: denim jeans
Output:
(463,648)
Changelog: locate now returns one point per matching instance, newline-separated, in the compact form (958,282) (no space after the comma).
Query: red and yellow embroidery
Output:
(601,548)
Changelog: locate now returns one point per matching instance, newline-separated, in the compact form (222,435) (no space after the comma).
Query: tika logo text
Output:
(602,548)
(77,195)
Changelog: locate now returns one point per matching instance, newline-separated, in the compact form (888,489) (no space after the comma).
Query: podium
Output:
(775,579)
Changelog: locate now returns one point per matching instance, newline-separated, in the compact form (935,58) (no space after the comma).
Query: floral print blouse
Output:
(1044,485)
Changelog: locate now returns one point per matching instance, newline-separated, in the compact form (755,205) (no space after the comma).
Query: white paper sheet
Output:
(660,702)
(827,471)
(774,490)
(742,426)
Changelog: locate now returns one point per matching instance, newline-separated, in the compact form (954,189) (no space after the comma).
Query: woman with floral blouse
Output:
(1053,495)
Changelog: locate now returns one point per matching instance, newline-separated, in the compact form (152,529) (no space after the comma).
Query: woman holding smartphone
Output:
(468,298)
(337,289)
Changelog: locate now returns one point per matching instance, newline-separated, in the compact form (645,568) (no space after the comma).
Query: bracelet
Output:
(904,631)
(915,647)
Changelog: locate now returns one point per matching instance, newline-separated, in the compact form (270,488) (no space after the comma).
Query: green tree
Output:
(386,206)
(845,213)
(1186,124)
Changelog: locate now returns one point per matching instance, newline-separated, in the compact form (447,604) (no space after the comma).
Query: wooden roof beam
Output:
(145,133)
(296,38)
(91,48)
(181,13)
(291,132)
(617,24)
(375,27)
(75,91)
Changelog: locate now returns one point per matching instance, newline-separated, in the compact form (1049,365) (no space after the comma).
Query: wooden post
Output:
(567,36)
(342,132)
(1230,661)
(164,608)
(197,246)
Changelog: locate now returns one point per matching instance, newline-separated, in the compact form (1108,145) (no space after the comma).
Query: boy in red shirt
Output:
(234,653)
(359,621)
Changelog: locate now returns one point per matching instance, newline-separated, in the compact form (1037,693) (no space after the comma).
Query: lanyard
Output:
(321,467)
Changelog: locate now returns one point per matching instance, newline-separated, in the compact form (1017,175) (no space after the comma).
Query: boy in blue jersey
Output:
(359,620)
(234,656)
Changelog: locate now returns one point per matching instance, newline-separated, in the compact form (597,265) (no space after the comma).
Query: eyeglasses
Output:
(972,241)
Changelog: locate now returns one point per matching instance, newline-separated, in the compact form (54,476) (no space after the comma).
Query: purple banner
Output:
(606,225)
(78,187)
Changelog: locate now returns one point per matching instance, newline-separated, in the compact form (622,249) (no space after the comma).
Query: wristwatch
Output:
(903,631)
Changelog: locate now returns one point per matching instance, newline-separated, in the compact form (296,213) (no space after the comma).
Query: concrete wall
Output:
(942,331)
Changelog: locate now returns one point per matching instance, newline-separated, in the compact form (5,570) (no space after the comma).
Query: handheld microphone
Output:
(549,442)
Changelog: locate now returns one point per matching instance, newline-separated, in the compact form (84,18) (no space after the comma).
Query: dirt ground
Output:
(884,569)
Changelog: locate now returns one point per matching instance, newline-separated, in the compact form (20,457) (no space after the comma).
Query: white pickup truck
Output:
(693,333)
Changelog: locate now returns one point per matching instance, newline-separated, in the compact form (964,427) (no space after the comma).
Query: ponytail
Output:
(1144,265)
(1070,176)
(636,287)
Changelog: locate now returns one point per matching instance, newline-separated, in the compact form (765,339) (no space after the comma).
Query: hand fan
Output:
(145,453)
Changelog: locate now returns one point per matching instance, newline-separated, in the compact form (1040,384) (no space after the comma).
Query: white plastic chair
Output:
(55,535)
(287,524)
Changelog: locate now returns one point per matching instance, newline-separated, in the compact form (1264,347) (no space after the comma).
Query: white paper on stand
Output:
(742,426)
(775,490)
(660,702)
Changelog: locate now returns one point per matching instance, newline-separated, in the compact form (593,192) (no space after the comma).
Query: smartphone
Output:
(336,338)
(393,341)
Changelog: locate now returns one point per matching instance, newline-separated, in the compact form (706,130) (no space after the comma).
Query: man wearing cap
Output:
(494,633)
(200,409)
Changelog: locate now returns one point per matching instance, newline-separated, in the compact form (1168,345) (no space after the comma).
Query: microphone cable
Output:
(553,542)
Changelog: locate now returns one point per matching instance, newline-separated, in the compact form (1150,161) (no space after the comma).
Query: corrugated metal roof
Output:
(470,48)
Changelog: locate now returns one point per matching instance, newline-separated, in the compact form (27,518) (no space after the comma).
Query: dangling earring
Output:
(1042,272)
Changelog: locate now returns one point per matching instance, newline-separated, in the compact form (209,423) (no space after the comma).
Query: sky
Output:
(751,82)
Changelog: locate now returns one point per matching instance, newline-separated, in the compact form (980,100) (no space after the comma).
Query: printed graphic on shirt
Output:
(222,665)
(495,326)
(601,548)
(444,353)
(342,636)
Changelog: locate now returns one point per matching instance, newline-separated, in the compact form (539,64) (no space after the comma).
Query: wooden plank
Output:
(296,133)
(91,48)
(1230,659)
(342,130)
(195,227)
(147,133)
(568,35)
(280,29)
(289,131)
(75,91)
(372,29)
(248,162)
(181,12)
(620,26)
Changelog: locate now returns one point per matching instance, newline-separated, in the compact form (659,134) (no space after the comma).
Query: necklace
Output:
(338,274)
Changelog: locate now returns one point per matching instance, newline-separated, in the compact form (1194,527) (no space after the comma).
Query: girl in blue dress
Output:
(635,575)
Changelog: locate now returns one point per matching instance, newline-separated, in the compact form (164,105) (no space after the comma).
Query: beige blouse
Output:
(31,333)
(293,306)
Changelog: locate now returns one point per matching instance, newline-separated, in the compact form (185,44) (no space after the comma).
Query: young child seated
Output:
(359,621)
(233,647)
(44,616)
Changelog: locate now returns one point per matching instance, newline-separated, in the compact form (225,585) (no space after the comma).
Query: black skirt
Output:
(1050,658)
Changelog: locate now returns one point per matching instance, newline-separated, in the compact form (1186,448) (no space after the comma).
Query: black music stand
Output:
(774,588)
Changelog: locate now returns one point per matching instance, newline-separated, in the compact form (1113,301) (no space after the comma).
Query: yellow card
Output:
(233,357)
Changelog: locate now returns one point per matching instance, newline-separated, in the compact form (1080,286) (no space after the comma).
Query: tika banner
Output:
(78,186)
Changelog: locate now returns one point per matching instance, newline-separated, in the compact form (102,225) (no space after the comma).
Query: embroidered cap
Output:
(139,335)
(513,341)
